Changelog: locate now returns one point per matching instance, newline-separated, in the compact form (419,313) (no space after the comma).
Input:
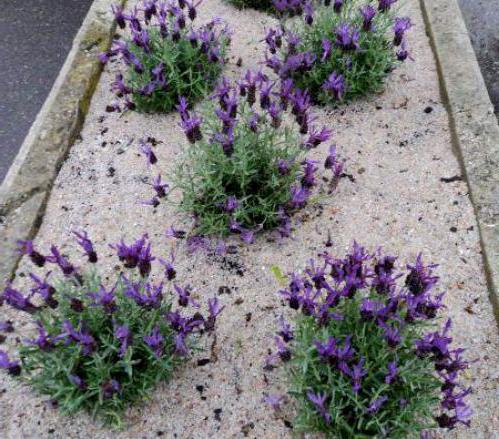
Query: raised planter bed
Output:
(403,191)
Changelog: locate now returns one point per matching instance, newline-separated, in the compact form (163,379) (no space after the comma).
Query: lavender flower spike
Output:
(27,248)
(148,152)
(385,5)
(12,367)
(86,244)
(368,13)
(401,25)
(376,404)
(319,402)
(214,310)
(335,84)
(155,341)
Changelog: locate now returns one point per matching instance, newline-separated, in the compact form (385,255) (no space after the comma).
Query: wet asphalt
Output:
(482,21)
(35,38)
(36,35)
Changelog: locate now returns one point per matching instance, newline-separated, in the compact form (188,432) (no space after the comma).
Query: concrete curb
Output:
(474,126)
(26,187)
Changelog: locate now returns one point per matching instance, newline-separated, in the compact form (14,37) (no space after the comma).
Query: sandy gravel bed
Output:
(398,148)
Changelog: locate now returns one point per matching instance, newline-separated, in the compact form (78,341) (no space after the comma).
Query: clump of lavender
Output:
(99,347)
(167,56)
(344,49)
(366,357)
(246,168)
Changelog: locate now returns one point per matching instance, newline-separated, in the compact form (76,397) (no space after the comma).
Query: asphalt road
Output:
(482,21)
(35,38)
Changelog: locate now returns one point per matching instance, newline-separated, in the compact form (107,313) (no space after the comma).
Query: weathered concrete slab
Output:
(25,188)
(474,126)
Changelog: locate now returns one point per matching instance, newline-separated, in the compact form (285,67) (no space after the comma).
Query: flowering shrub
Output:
(98,347)
(246,167)
(365,358)
(167,56)
(345,49)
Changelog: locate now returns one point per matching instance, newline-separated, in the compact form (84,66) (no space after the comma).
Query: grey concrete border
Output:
(26,187)
(474,126)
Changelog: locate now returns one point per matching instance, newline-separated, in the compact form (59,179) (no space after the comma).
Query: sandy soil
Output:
(398,148)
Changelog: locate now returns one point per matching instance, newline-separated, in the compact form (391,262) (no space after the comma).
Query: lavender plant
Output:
(365,357)
(167,55)
(246,167)
(101,348)
(344,49)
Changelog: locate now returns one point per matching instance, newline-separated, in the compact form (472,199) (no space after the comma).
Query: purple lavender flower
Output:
(337,5)
(44,289)
(214,310)
(309,13)
(146,149)
(6,326)
(392,374)
(247,87)
(399,28)
(273,39)
(315,137)
(184,296)
(110,388)
(27,248)
(144,294)
(385,5)
(16,299)
(283,350)
(391,334)
(119,87)
(346,38)
(155,341)
(192,128)
(231,204)
(309,169)
(171,232)
(265,90)
(274,112)
(420,279)
(159,187)
(136,255)
(292,297)
(357,373)
(105,299)
(124,336)
(369,309)
(274,401)
(43,341)
(326,49)
(286,331)
(81,337)
(12,367)
(333,163)
(170,272)
(368,13)
(319,400)
(299,196)
(335,84)
(403,53)
(78,381)
(66,267)
(119,16)
(376,404)
(86,244)
(283,166)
